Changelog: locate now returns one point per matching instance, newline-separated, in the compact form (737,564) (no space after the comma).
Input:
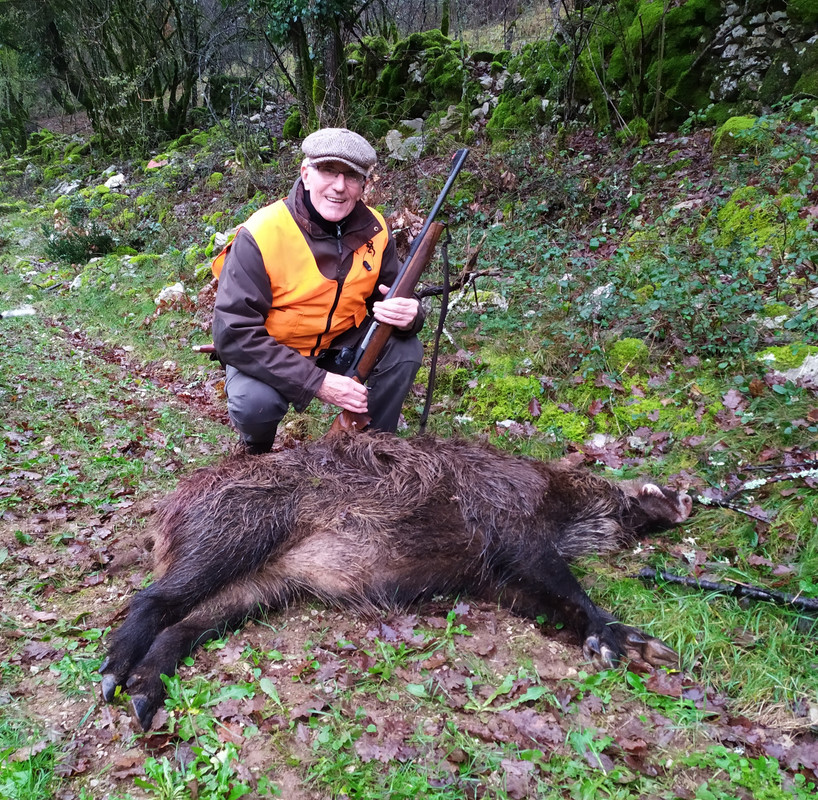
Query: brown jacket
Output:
(244,299)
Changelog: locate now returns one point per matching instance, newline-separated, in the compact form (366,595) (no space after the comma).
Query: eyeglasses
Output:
(330,173)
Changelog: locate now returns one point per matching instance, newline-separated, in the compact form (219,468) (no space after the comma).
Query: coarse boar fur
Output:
(373,520)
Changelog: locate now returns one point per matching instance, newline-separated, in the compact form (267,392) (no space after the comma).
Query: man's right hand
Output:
(343,392)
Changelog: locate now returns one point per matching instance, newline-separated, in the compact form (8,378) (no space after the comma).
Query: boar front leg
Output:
(547,584)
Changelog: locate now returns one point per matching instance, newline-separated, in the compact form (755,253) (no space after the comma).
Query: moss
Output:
(781,76)
(773,310)
(568,424)
(804,11)
(144,260)
(731,138)
(185,140)
(807,83)
(636,130)
(292,126)
(754,215)
(588,85)
(626,353)
(788,356)
(508,117)
(214,180)
(124,220)
(445,78)
(716,114)
(658,415)
(502,397)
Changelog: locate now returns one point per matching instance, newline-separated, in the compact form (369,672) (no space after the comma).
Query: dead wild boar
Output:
(371,521)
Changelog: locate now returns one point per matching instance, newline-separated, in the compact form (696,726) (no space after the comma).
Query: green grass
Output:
(21,777)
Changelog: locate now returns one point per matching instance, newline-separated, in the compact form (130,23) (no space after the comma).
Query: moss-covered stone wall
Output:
(638,65)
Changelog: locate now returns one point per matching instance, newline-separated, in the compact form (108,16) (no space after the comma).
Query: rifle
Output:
(420,254)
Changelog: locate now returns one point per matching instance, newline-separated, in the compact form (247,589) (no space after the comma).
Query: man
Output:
(295,287)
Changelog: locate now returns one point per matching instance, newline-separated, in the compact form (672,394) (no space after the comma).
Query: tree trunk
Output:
(330,79)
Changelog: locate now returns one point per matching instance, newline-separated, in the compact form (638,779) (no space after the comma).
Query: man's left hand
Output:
(400,312)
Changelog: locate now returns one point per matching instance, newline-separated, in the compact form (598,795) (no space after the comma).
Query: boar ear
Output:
(651,489)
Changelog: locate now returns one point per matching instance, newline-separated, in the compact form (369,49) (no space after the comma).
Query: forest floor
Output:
(105,409)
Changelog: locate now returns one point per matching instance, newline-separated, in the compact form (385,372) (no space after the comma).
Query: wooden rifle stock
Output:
(378,333)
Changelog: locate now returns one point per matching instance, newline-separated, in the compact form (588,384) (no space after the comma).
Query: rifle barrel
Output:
(458,160)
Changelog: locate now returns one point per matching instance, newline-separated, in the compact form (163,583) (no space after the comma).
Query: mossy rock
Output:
(753,215)
(807,83)
(214,180)
(717,114)
(786,357)
(776,310)
(637,130)
(508,117)
(484,55)
(732,136)
(145,259)
(292,126)
(781,77)
(185,140)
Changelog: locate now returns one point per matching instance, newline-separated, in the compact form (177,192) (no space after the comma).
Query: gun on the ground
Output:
(420,254)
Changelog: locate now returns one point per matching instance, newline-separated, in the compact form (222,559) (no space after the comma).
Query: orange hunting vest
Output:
(302,316)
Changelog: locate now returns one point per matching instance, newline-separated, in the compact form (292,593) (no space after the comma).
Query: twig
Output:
(808,604)
(775,467)
(709,501)
(463,281)
(757,483)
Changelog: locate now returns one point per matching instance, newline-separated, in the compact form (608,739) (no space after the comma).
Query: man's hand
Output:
(343,392)
(400,312)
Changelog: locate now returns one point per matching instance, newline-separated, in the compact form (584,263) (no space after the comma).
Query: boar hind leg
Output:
(604,639)
(150,611)
(213,617)
(198,574)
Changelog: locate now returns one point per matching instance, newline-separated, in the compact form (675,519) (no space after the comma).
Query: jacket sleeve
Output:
(390,266)
(243,301)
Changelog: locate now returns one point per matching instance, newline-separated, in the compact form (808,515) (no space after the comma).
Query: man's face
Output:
(334,188)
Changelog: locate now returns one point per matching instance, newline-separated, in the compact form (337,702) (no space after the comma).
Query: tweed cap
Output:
(340,144)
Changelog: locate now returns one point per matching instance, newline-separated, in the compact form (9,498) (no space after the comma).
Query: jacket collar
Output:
(360,224)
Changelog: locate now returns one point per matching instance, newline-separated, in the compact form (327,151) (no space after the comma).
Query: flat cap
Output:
(340,144)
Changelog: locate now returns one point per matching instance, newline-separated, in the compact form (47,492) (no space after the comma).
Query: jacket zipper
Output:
(315,349)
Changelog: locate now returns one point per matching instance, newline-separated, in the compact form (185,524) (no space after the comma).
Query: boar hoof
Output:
(594,649)
(619,641)
(649,650)
(143,709)
(109,686)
